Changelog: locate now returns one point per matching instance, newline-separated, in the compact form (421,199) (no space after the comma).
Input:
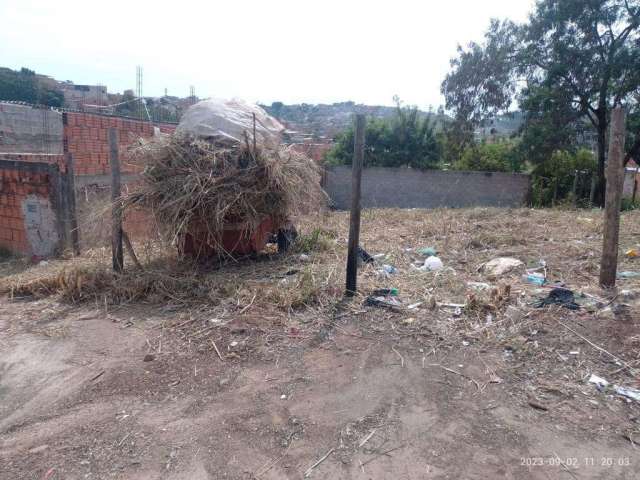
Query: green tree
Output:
(553,179)
(490,157)
(406,139)
(586,52)
(25,86)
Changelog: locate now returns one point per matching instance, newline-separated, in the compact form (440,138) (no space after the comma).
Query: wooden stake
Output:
(613,199)
(354,222)
(130,250)
(71,193)
(116,212)
(254,133)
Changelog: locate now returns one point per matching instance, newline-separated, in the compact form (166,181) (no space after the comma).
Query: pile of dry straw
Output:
(191,184)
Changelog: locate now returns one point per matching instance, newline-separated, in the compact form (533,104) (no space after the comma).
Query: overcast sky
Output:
(291,51)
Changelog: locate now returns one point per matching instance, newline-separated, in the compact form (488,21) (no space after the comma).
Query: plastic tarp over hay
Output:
(218,119)
(211,190)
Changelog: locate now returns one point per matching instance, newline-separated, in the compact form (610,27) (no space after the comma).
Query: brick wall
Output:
(410,188)
(86,138)
(29,206)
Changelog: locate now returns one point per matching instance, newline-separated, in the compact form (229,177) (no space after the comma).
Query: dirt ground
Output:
(261,385)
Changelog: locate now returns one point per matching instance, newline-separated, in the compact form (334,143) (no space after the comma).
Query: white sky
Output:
(260,50)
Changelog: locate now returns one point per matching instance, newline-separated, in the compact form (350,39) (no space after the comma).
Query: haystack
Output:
(206,184)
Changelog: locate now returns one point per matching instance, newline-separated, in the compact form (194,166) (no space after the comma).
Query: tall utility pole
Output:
(192,94)
(139,91)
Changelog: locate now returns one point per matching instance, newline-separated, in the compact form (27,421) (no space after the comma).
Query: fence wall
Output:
(31,213)
(29,208)
(409,188)
(24,129)
(86,138)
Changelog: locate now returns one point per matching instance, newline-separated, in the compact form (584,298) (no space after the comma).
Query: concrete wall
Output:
(24,129)
(409,188)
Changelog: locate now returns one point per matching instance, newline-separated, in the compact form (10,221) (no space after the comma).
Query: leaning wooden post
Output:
(354,221)
(613,199)
(71,204)
(116,210)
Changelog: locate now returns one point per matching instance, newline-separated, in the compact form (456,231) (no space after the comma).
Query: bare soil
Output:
(334,389)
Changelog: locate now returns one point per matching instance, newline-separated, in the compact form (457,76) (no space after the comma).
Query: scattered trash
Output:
(408,321)
(535,278)
(385,291)
(431,264)
(500,266)
(479,285)
(413,306)
(304,257)
(457,312)
(559,296)
(628,274)
(233,344)
(283,397)
(574,352)
(389,269)
(465,343)
(427,252)
(42,263)
(364,255)
(632,393)
(632,253)
(387,302)
(379,256)
(602,384)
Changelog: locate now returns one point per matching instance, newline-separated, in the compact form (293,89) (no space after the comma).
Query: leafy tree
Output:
(583,55)
(554,178)
(24,86)
(406,139)
(490,157)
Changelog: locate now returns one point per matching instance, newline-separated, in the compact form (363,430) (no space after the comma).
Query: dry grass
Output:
(193,185)
(568,241)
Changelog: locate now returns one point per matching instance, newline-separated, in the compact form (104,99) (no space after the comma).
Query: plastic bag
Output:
(218,119)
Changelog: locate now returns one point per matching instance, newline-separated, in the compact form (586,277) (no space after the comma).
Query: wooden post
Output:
(592,191)
(254,133)
(613,199)
(116,211)
(354,221)
(575,188)
(71,205)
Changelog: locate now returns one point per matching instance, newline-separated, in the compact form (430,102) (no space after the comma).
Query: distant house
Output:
(77,96)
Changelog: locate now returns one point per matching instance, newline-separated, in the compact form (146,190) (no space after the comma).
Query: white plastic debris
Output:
(432,264)
(501,265)
(599,382)
(414,305)
(632,393)
(478,285)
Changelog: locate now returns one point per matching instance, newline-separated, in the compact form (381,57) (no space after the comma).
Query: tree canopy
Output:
(406,139)
(24,86)
(569,65)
